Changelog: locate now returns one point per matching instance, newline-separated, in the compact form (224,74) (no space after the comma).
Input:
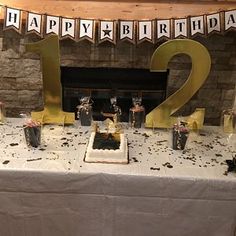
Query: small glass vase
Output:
(137,113)
(2,113)
(228,121)
(32,135)
(136,116)
(85,112)
(180,135)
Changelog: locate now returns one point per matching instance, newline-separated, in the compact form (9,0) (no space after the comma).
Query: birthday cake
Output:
(106,147)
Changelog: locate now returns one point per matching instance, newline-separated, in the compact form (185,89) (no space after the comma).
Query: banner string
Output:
(151,30)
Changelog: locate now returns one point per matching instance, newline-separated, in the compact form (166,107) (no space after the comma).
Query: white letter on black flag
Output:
(180,28)
(213,23)
(127,31)
(196,25)
(230,19)
(145,31)
(87,30)
(68,28)
(13,19)
(34,23)
(52,25)
(163,29)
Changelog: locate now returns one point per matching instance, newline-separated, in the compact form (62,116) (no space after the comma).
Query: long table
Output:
(50,190)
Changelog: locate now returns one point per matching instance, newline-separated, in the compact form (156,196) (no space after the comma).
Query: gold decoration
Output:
(229,121)
(196,119)
(160,117)
(228,124)
(50,59)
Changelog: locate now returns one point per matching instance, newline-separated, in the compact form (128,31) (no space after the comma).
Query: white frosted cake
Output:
(98,152)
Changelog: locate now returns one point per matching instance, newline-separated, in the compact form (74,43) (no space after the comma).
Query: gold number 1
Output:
(50,60)
(160,116)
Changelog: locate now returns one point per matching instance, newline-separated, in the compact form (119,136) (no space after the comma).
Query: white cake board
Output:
(120,160)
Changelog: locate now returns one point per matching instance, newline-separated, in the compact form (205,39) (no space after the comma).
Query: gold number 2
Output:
(160,117)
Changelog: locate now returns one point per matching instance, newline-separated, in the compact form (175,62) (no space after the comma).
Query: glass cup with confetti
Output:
(32,132)
(180,135)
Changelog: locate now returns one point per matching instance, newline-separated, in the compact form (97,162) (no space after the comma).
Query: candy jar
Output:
(136,113)
(32,131)
(84,113)
(179,135)
(116,109)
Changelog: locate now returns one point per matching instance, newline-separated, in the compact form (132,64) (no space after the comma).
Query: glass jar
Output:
(32,132)
(2,113)
(228,120)
(136,114)
(85,111)
(180,135)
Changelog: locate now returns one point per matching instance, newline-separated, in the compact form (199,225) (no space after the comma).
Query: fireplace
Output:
(103,83)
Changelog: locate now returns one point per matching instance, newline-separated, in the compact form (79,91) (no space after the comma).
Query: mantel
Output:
(123,9)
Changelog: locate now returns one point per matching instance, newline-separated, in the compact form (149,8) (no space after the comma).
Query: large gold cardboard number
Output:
(50,60)
(160,117)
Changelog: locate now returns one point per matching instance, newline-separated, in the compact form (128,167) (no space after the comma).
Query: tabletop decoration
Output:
(179,135)
(228,120)
(107,145)
(162,116)
(32,131)
(112,112)
(231,165)
(84,113)
(137,113)
(151,30)
(2,113)
(52,113)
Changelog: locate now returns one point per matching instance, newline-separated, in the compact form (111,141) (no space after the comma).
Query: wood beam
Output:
(124,9)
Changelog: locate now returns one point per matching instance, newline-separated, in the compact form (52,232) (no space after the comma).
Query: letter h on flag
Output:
(197,25)
(13,19)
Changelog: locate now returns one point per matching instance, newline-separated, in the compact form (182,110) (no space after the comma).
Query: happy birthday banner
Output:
(128,30)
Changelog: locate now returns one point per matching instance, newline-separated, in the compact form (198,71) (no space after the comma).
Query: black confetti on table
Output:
(167,164)
(5,162)
(155,168)
(218,155)
(35,159)
(134,159)
(14,144)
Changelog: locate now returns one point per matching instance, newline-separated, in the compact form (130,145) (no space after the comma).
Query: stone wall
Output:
(21,78)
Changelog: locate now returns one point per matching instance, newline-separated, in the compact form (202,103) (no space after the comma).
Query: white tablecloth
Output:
(51,191)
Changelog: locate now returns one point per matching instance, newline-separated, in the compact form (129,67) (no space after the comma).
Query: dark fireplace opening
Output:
(101,84)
